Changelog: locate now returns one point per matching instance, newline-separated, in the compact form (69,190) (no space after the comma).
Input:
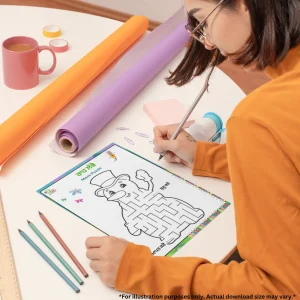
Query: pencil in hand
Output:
(63,244)
(49,261)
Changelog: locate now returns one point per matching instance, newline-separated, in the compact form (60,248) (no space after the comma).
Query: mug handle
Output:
(47,72)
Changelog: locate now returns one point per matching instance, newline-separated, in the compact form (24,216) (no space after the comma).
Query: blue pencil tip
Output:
(20,230)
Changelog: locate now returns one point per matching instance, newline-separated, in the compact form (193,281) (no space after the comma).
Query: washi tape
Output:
(51,31)
(59,45)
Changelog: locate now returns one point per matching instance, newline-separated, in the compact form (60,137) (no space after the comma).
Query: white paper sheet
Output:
(124,195)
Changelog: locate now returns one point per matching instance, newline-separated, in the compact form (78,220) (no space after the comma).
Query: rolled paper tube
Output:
(22,125)
(103,107)
(66,143)
(139,50)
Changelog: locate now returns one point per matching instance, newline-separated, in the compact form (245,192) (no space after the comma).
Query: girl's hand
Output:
(105,254)
(181,150)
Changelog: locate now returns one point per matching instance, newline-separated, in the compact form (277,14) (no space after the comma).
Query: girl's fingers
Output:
(172,158)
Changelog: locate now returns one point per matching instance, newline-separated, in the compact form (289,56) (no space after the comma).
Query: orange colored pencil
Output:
(63,244)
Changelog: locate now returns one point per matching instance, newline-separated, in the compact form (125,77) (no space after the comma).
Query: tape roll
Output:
(51,31)
(213,116)
(59,45)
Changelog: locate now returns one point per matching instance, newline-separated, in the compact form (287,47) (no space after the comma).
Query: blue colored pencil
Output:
(49,261)
(53,250)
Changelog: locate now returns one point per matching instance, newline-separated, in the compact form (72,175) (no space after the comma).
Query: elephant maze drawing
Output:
(145,210)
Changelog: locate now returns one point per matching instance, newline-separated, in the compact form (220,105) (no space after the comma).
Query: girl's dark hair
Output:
(275,30)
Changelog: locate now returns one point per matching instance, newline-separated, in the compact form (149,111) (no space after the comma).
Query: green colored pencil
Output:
(53,250)
(49,261)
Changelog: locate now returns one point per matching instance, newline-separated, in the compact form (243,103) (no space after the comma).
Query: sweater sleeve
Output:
(211,161)
(264,184)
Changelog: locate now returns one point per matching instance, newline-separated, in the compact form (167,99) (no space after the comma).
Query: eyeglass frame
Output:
(197,28)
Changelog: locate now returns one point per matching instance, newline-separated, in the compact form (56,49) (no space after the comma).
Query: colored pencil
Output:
(63,244)
(54,251)
(49,261)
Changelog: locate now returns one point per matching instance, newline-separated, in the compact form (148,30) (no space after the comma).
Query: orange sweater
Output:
(262,161)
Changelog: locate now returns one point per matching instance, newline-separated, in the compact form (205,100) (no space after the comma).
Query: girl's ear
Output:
(243,7)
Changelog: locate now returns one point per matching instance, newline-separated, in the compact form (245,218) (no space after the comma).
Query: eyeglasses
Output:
(198,32)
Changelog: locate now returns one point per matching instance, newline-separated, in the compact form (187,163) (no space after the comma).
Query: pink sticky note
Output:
(167,112)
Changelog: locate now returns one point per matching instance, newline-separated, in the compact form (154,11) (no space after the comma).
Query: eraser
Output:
(167,112)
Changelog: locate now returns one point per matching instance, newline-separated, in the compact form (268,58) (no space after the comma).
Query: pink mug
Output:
(21,62)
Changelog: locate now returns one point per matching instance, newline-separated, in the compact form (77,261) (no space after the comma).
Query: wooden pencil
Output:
(49,261)
(63,244)
(55,252)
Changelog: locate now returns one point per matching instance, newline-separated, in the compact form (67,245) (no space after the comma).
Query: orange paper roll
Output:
(21,126)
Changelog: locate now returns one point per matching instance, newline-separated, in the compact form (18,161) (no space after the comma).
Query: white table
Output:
(35,164)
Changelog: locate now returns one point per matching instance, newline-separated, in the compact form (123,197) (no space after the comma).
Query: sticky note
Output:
(167,112)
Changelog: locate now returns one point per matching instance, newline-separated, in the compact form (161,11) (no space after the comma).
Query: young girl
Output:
(261,159)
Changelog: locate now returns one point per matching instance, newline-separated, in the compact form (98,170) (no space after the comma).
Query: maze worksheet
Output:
(126,196)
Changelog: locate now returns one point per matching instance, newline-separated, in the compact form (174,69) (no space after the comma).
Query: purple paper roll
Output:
(75,134)
(139,50)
